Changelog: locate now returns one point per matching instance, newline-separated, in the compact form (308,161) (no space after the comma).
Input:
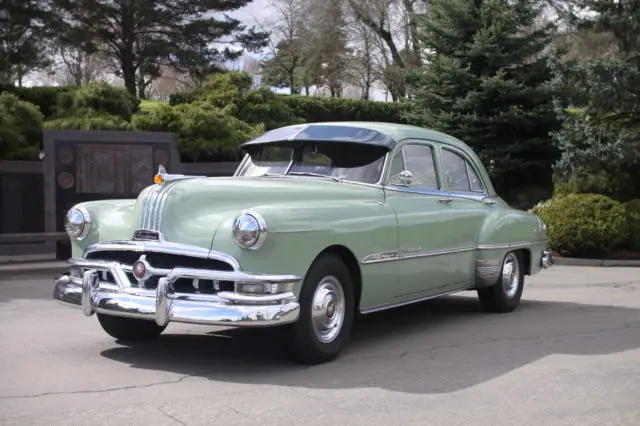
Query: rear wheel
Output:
(326,312)
(505,295)
(129,329)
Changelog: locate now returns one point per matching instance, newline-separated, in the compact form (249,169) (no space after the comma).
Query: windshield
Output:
(338,160)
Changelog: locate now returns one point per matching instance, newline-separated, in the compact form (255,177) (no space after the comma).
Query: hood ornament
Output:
(162,176)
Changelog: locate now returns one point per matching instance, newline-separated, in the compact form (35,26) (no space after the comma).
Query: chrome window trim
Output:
(468,163)
(473,169)
(462,195)
(164,248)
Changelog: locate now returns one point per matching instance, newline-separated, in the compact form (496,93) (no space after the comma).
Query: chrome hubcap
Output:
(328,309)
(510,275)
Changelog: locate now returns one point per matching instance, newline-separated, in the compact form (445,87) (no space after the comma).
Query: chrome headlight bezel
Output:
(77,223)
(249,230)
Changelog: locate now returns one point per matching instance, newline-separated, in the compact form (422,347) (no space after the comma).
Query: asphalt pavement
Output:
(569,355)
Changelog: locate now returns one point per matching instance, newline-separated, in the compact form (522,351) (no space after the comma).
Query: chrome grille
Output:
(166,262)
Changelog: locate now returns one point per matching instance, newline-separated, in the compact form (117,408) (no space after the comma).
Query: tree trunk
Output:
(128,64)
(129,76)
(292,83)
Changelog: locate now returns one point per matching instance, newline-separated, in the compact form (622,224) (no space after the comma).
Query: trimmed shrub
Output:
(632,209)
(583,224)
(20,128)
(44,97)
(221,89)
(232,93)
(101,98)
(263,107)
(205,133)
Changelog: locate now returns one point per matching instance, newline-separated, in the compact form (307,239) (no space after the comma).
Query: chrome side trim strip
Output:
(163,247)
(386,256)
(377,308)
(424,253)
(510,245)
(406,254)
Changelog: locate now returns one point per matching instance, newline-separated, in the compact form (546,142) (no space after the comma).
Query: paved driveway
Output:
(569,355)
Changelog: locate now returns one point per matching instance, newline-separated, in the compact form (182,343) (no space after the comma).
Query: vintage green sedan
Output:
(320,222)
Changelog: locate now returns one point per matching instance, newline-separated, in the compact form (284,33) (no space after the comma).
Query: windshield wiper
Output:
(337,179)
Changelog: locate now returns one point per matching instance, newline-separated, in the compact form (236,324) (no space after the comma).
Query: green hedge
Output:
(313,109)
(55,102)
(632,209)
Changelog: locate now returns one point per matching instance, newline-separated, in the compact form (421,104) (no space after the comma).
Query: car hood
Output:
(189,211)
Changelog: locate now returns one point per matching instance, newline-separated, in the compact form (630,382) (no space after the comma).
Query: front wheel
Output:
(505,295)
(326,312)
(129,329)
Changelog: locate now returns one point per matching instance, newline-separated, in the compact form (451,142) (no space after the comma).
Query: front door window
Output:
(414,165)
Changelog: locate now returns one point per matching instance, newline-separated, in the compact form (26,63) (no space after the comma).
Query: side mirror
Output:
(404,178)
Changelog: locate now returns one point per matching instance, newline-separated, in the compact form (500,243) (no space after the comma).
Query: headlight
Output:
(249,230)
(77,223)
(543,226)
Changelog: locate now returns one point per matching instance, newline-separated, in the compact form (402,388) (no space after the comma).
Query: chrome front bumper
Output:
(163,305)
(546,260)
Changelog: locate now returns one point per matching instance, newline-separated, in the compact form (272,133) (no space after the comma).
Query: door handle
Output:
(445,200)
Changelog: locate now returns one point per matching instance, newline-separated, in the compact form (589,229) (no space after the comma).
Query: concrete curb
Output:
(37,269)
(27,258)
(567,261)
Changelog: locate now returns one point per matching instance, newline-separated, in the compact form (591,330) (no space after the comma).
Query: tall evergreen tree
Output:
(620,18)
(600,142)
(23,34)
(142,35)
(485,80)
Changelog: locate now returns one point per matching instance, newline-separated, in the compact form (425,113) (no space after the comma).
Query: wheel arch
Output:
(351,262)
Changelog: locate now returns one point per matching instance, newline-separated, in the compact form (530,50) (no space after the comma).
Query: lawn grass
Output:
(149,105)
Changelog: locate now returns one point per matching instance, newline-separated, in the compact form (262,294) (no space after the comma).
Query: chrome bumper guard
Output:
(546,260)
(164,305)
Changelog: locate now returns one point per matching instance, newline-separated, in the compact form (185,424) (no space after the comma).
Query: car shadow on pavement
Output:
(438,346)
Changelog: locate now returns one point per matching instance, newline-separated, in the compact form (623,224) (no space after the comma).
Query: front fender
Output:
(298,232)
(110,220)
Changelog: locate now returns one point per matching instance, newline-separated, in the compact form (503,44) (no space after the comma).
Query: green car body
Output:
(400,241)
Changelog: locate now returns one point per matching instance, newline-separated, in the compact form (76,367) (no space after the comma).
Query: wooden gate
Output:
(95,165)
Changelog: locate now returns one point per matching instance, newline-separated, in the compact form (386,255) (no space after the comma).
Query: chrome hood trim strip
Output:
(153,201)
(163,247)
